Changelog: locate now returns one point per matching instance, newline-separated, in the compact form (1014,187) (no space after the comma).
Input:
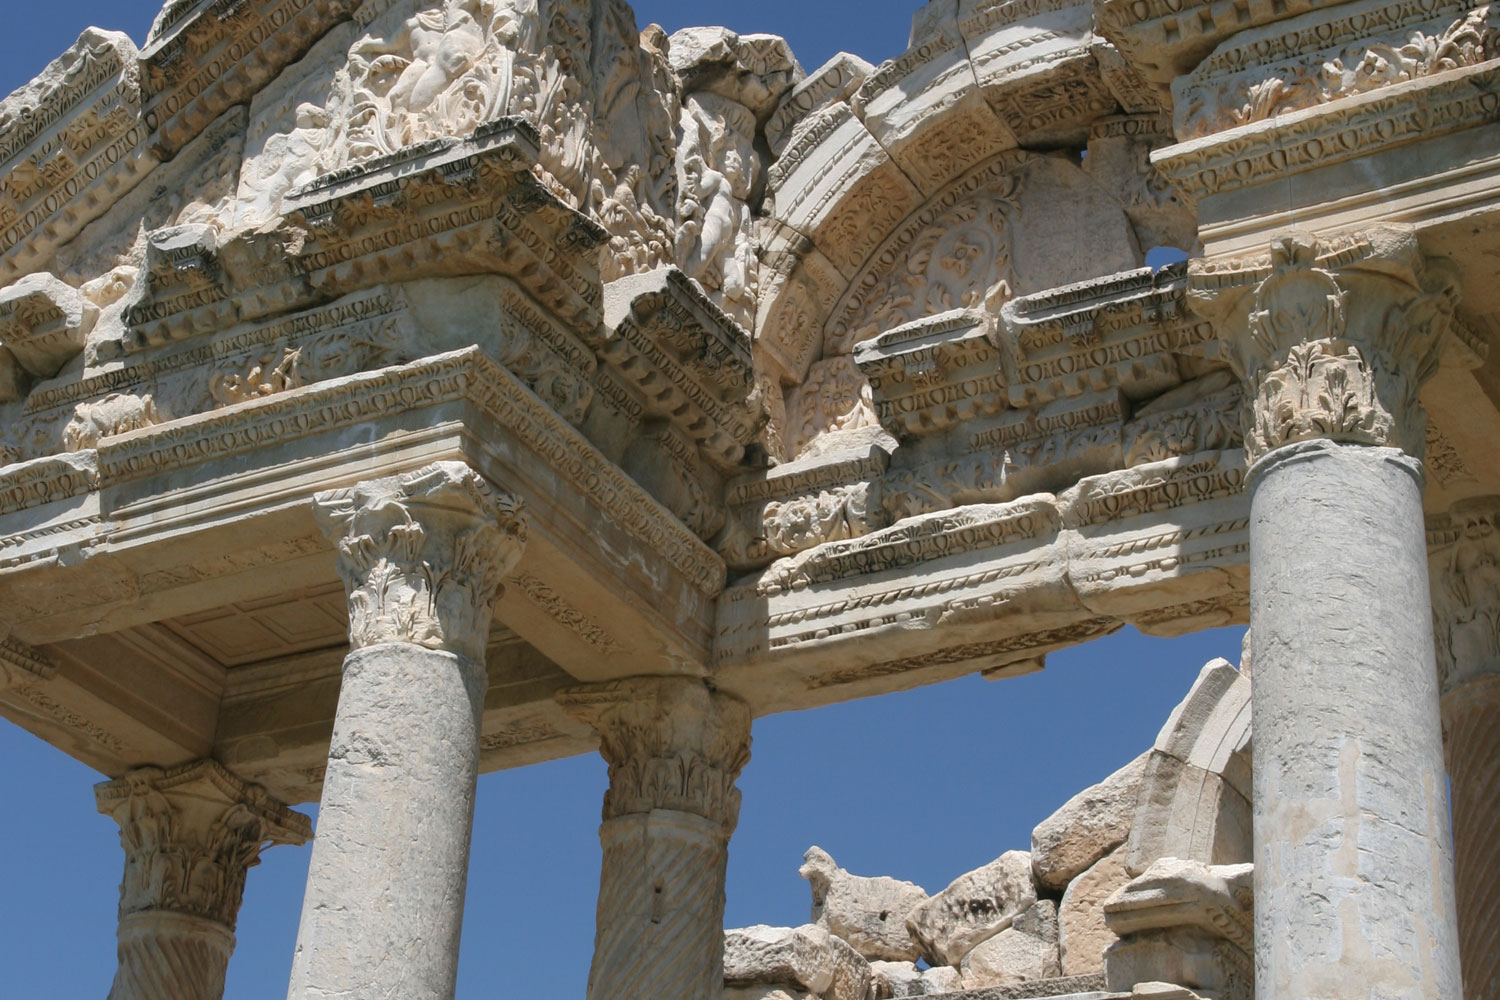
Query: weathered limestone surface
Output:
(1026,951)
(1353,856)
(869,913)
(190,834)
(1083,934)
(1185,923)
(974,907)
(675,748)
(422,556)
(806,958)
(1466,615)
(1087,827)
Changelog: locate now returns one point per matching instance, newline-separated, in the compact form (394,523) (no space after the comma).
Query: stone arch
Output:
(1195,795)
(951,177)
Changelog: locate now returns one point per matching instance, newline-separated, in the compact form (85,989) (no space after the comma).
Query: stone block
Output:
(44,322)
(805,957)
(1082,934)
(975,906)
(1086,828)
(1024,952)
(869,913)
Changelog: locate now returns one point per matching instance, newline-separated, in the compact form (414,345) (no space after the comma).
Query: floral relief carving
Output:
(1330,351)
(836,396)
(423,555)
(190,835)
(671,743)
(1305,79)
(794,525)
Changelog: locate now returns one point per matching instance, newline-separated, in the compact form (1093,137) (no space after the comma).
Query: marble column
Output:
(1353,856)
(422,556)
(674,748)
(190,835)
(1466,612)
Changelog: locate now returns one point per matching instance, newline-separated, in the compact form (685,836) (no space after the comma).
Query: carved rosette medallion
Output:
(1333,339)
(672,743)
(190,835)
(1466,595)
(423,554)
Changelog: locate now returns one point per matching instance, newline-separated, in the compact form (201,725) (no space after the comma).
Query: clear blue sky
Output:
(924,785)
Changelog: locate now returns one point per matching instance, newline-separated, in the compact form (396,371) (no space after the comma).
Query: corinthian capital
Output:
(190,835)
(1334,338)
(670,742)
(1466,592)
(422,555)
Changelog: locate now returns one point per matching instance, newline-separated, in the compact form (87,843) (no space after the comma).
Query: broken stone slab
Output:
(976,906)
(1086,828)
(1083,936)
(1026,951)
(869,913)
(1187,923)
(795,958)
(44,322)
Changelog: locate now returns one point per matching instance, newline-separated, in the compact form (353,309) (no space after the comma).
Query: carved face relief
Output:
(956,254)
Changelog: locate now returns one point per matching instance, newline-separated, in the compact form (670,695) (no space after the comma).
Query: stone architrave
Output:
(1334,339)
(190,835)
(1466,612)
(675,747)
(422,555)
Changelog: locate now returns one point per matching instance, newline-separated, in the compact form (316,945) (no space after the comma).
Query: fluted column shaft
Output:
(190,835)
(1353,876)
(1466,613)
(674,748)
(422,556)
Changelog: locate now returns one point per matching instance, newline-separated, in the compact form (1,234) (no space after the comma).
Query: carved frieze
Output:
(1327,134)
(690,363)
(71,144)
(1331,53)
(1121,330)
(799,505)
(20,663)
(423,555)
(44,323)
(930,374)
(834,81)
(1335,338)
(205,57)
(671,743)
(190,834)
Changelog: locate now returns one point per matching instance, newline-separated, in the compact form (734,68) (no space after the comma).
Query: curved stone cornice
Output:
(671,743)
(422,555)
(1333,337)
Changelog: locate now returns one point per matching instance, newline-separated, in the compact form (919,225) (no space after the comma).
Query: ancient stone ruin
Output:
(398,389)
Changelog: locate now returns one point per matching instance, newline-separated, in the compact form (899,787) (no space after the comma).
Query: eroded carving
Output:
(423,555)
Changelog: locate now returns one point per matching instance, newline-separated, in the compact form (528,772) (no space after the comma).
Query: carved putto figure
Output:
(717,170)
(442,72)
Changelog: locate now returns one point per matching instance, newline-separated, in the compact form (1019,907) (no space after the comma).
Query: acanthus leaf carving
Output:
(671,743)
(423,555)
(1334,339)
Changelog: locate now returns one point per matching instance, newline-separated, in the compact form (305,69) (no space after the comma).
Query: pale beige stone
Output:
(1024,952)
(973,907)
(805,957)
(1083,934)
(869,913)
(1086,828)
